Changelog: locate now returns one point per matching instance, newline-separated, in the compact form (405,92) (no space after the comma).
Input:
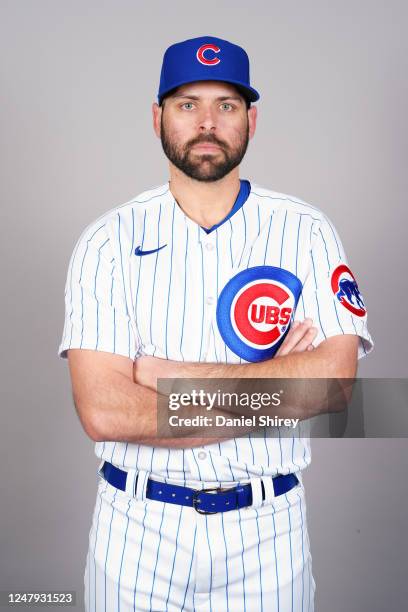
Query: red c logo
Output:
(246,313)
(203,60)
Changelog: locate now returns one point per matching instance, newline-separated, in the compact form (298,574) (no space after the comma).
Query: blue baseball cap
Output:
(205,59)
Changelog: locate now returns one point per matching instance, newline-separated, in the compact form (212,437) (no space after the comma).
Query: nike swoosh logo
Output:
(140,253)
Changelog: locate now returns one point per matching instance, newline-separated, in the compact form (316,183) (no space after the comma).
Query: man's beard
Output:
(204,167)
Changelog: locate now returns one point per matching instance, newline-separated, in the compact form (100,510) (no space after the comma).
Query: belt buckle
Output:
(197,501)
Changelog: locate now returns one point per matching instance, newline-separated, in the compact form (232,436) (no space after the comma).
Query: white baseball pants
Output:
(145,555)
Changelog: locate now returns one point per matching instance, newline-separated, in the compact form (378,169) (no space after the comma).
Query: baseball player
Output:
(207,275)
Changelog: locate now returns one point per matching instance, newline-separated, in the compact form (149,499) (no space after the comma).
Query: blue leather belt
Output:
(204,501)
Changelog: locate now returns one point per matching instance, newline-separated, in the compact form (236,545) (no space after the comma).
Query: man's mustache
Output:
(205,139)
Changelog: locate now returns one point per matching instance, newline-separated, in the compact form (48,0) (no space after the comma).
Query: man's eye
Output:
(187,105)
(226,106)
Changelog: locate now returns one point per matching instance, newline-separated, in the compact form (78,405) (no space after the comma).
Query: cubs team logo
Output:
(255,309)
(346,290)
(205,58)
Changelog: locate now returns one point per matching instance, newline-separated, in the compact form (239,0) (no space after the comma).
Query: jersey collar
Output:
(244,191)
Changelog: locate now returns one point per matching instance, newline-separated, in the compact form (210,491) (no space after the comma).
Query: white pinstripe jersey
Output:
(164,304)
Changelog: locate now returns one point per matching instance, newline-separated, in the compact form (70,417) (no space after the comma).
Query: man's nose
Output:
(207,119)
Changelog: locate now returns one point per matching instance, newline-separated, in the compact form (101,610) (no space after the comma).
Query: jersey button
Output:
(202,455)
(209,246)
(209,300)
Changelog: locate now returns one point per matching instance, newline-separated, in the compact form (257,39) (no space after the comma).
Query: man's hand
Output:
(146,369)
(299,338)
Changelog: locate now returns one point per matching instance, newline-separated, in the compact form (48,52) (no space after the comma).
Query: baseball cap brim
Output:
(248,92)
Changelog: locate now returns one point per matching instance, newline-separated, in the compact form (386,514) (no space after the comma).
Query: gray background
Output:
(77,80)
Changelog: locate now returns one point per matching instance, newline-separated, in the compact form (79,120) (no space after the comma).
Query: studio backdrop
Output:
(77,81)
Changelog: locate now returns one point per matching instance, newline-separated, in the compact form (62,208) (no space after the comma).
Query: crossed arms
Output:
(116,398)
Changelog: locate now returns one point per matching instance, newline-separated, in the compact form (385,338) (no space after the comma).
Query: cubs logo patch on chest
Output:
(254,311)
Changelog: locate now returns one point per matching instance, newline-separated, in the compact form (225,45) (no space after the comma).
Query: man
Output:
(203,277)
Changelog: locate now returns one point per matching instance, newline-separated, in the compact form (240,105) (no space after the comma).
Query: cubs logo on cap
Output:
(202,56)
(255,309)
(345,288)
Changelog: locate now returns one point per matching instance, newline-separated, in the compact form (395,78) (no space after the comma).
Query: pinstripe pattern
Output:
(184,295)
(164,304)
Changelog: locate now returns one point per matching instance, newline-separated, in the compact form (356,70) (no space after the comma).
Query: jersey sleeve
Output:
(331,296)
(96,314)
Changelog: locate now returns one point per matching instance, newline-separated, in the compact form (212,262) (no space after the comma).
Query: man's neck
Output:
(205,203)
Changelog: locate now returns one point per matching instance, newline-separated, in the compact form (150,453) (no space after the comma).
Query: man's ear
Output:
(157,112)
(252,116)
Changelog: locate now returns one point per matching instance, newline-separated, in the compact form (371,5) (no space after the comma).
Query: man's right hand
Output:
(299,338)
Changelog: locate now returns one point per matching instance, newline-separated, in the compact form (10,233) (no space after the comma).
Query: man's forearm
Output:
(127,412)
(315,364)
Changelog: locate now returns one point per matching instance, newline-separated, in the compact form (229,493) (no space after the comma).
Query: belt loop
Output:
(256,492)
(269,490)
(100,468)
(131,482)
(142,478)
